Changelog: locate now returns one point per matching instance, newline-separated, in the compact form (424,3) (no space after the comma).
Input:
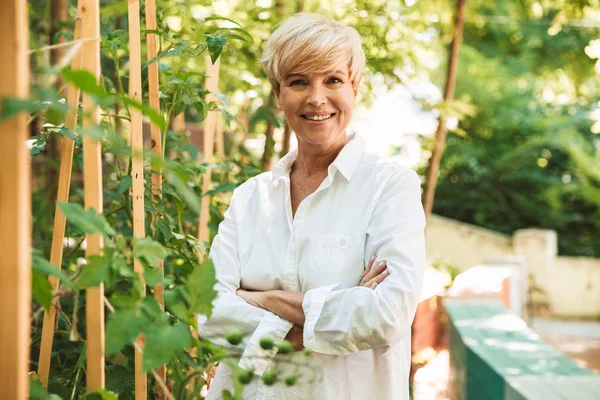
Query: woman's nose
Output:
(316,95)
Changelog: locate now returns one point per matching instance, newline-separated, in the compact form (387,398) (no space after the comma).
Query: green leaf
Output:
(86,220)
(123,327)
(153,276)
(224,188)
(41,289)
(96,271)
(176,52)
(67,133)
(164,228)
(13,106)
(125,184)
(199,287)
(148,111)
(191,150)
(215,45)
(175,305)
(88,83)
(43,266)
(153,252)
(37,391)
(164,342)
(100,394)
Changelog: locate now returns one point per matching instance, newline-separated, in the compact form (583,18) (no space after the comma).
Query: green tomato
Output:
(234,337)
(269,378)
(266,343)
(291,380)
(285,347)
(245,376)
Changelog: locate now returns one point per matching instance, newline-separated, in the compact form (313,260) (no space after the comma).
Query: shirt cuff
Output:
(312,305)
(254,357)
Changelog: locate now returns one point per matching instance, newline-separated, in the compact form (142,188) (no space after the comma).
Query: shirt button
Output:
(343,242)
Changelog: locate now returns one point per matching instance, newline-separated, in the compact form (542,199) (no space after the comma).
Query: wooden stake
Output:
(210,128)
(89,11)
(58,234)
(15,207)
(137,171)
(156,144)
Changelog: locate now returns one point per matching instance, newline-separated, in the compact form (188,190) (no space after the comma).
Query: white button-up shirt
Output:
(360,337)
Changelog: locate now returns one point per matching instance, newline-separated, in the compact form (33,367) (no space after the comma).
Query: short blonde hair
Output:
(309,43)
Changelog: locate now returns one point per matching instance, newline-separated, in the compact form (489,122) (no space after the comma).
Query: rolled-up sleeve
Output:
(345,321)
(231,311)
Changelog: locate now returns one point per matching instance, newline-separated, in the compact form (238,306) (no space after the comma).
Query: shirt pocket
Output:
(339,259)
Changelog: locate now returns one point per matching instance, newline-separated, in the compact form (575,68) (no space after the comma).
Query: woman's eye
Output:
(335,80)
(297,82)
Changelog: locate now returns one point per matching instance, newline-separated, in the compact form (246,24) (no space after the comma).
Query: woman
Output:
(327,250)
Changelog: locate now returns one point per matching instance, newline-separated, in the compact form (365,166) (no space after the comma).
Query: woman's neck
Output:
(314,160)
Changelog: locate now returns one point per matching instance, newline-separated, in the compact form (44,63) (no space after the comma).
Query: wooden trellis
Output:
(58,233)
(156,145)
(137,172)
(211,128)
(87,29)
(89,11)
(15,207)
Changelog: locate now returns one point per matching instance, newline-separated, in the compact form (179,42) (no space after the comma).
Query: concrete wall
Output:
(569,285)
(574,287)
(463,245)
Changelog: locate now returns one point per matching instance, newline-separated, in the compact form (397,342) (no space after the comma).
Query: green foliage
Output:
(100,394)
(88,221)
(527,158)
(37,391)
(171,221)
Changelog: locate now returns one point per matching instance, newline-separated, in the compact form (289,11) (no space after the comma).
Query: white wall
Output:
(461,244)
(570,285)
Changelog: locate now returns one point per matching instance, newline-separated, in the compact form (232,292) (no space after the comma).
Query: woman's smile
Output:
(318,118)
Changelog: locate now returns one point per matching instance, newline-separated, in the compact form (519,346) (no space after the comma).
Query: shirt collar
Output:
(346,161)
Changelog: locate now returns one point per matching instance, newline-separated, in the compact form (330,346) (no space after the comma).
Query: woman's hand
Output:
(296,337)
(373,276)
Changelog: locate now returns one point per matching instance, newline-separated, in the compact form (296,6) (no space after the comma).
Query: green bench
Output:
(494,355)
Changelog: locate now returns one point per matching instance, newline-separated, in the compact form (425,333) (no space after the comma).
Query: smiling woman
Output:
(327,250)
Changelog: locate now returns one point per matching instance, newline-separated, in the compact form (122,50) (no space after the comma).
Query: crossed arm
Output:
(288,305)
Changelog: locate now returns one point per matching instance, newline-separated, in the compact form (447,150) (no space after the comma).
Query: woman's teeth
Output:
(318,117)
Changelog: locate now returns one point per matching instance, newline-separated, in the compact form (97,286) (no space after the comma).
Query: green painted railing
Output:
(494,355)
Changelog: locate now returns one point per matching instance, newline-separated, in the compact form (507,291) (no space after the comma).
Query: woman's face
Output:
(318,108)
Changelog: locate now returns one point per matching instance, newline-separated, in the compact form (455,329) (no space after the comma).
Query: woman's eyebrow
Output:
(293,74)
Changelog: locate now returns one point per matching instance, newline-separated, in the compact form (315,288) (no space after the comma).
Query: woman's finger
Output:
(378,279)
(369,265)
(375,271)
(367,270)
